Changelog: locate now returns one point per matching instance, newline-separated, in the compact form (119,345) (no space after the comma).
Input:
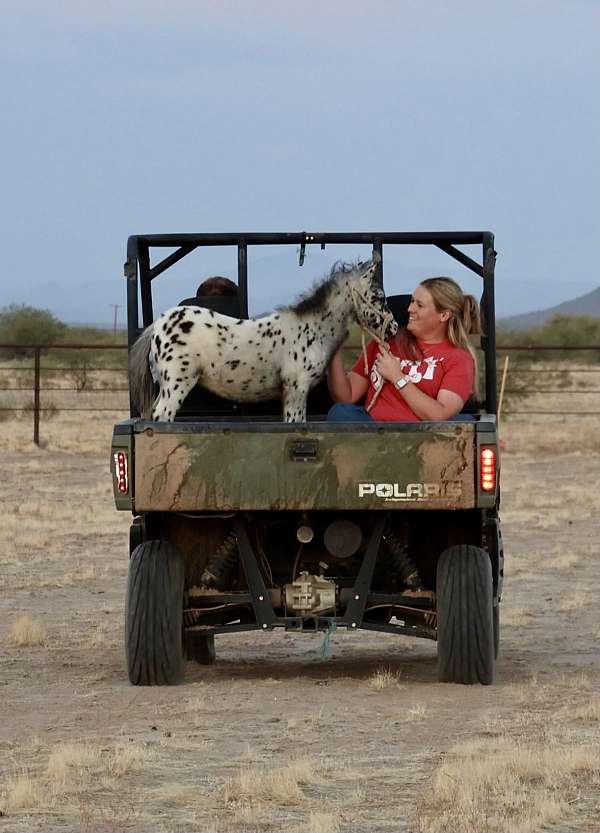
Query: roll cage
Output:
(140,274)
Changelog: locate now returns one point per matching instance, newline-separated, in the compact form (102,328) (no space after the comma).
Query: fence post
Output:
(36,396)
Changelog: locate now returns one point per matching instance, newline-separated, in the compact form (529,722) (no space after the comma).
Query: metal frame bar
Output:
(242,252)
(362,586)
(462,258)
(489,310)
(170,260)
(261,598)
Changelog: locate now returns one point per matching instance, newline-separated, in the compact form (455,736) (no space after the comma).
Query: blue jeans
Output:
(344,412)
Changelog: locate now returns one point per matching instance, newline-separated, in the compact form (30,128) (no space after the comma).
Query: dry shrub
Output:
(384,677)
(503,785)
(26,632)
(282,786)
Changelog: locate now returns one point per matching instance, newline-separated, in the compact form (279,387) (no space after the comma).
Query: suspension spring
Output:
(402,563)
(220,563)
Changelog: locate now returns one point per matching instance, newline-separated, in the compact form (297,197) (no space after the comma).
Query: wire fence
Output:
(76,381)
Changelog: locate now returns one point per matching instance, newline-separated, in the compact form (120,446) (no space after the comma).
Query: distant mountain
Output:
(588,304)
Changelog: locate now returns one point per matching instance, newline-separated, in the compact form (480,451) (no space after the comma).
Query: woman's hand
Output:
(388,365)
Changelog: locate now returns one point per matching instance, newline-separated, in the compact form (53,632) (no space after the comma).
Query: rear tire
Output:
(465,616)
(154,615)
(496,630)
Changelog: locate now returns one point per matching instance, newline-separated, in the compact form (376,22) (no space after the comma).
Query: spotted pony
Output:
(281,355)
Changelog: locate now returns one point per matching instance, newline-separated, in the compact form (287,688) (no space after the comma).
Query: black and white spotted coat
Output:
(281,355)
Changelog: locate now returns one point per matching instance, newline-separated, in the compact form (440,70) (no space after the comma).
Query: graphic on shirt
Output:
(376,378)
(413,368)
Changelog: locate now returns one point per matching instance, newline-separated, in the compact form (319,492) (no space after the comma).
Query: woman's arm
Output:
(344,387)
(446,406)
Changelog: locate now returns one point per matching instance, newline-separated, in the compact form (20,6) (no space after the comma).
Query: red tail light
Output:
(487,469)
(121,471)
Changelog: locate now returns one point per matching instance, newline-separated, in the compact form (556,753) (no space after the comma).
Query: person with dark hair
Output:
(217,293)
(426,372)
(217,285)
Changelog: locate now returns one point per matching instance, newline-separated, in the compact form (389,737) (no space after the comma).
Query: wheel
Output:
(202,649)
(496,630)
(465,616)
(154,615)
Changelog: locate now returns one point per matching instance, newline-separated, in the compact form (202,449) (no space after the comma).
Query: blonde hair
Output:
(465,319)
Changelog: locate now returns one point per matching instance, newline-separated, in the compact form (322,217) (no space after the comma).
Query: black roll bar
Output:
(137,268)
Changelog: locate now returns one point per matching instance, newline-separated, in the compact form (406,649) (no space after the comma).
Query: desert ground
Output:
(273,737)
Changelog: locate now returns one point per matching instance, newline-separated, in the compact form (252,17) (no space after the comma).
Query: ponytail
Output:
(465,320)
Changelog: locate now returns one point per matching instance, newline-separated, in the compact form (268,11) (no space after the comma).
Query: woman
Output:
(427,372)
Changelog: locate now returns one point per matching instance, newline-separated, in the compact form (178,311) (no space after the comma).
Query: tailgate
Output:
(264,466)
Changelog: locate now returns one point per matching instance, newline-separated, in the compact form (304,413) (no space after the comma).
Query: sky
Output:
(139,117)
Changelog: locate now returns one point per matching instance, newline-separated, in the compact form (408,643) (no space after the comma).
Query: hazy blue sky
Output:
(145,116)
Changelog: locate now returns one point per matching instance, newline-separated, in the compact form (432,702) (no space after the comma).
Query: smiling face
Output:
(424,320)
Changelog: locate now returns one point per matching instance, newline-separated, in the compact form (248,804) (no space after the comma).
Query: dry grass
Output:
(281,786)
(504,785)
(319,822)
(98,638)
(63,432)
(582,713)
(574,601)
(72,763)
(414,713)
(515,616)
(26,633)
(384,678)
(71,769)
(22,793)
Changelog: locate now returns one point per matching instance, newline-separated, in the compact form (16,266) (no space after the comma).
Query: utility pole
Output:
(115,307)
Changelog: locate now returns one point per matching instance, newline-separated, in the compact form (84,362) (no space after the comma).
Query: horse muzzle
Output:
(391,330)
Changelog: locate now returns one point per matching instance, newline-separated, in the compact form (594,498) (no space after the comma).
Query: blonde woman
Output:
(426,372)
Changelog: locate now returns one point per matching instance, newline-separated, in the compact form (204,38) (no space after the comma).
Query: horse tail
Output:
(141,383)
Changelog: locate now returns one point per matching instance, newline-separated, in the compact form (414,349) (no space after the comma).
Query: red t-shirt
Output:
(443,367)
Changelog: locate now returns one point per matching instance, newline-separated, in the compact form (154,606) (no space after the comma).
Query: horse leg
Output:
(294,402)
(175,382)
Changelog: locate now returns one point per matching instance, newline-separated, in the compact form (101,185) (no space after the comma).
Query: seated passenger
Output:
(426,372)
(216,293)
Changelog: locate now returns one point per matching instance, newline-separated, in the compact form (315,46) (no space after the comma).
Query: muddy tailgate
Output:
(222,467)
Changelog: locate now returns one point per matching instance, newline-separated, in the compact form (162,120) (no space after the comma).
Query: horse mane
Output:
(316,298)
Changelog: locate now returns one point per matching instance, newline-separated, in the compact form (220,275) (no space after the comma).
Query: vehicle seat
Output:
(223,304)
(398,305)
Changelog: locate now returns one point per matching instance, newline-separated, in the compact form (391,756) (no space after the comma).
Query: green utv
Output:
(244,522)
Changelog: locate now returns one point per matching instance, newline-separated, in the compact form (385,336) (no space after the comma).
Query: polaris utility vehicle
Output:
(243,522)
